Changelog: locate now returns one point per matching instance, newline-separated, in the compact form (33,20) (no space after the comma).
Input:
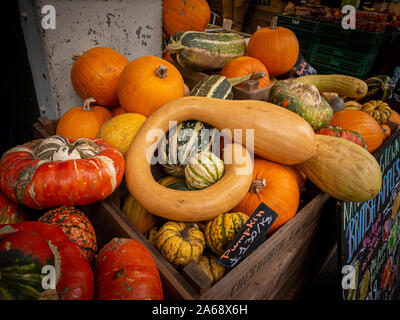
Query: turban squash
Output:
(10,212)
(48,173)
(26,247)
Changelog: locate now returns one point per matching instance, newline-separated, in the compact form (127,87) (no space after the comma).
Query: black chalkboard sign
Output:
(369,244)
(249,237)
(302,67)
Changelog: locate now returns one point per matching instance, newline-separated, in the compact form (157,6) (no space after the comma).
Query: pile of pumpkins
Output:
(205,197)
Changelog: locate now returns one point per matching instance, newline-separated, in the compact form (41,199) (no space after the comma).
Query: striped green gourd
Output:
(184,141)
(201,51)
(219,87)
(380,87)
(203,170)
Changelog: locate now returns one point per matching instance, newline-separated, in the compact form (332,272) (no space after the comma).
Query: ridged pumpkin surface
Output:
(147,83)
(359,121)
(76,226)
(121,129)
(378,110)
(182,15)
(180,243)
(95,74)
(222,229)
(279,191)
(343,169)
(83,122)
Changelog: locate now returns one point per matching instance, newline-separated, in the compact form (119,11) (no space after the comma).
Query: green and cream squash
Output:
(203,170)
(201,51)
(219,87)
(380,87)
(184,141)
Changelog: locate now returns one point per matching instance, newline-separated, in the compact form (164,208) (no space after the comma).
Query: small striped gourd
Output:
(378,110)
(180,243)
(380,87)
(203,170)
(219,87)
(222,229)
(208,263)
(201,51)
(184,141)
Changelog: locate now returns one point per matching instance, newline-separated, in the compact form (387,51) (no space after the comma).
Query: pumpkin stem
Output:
(185,231)
(274,23)
(253,76)
(161,71)
(257,185)
(75,56)
(87,104)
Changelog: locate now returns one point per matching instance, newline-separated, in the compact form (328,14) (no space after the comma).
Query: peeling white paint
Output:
(134,28)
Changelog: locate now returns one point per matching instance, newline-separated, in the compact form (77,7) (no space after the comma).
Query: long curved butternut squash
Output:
(279,135)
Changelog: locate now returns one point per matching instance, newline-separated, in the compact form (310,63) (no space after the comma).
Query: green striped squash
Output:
(203,170)
(219,87)
(222,229)
(184,141)
(379,88)
(201,51)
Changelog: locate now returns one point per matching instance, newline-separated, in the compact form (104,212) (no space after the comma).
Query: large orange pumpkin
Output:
(362,123)
(84,121)
(276,47)
(182,15)
(277,187)
(245,65)
(147,83)
(95,74)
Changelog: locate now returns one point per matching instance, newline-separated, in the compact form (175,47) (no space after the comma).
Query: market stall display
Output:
(145,192)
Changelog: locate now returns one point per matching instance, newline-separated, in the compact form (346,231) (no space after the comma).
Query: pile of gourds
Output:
(206,197)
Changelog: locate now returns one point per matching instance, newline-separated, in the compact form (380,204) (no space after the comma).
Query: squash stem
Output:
(257,186)
(274,23)
(88,104)
(161,71)
(175,47)
(253,76)
(75,56)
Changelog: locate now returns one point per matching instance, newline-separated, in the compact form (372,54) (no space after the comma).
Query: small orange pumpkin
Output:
(84,121)
(277,187)
(394,117)
(276,47)
(386,131)
(182,15)
(360,122)
(245,65)
(95,74)
(147,83)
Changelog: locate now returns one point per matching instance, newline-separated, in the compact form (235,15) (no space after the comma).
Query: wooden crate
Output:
(277,269)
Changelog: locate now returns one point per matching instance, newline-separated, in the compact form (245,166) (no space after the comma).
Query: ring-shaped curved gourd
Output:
(279,135)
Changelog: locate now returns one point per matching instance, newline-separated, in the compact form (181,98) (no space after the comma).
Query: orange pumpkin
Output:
(117,110)
(95,74)
(84,121)
(277,187)
(245,65)
(147,83)
(362,123)
(386,131)
(276,47)
(182,15)
(394,117)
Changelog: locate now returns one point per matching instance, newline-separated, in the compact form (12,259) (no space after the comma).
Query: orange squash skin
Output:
(95,74)
(180,15)
(142,90)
